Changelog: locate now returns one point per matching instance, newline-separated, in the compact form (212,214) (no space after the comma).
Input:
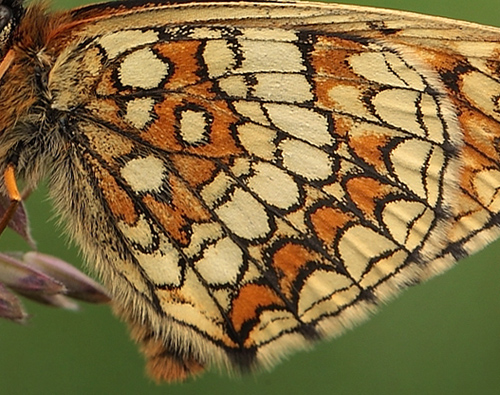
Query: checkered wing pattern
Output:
(250,177)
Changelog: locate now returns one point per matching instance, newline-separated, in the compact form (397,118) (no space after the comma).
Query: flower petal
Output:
(25,279)
(78,285)
(11,307)
(19,222)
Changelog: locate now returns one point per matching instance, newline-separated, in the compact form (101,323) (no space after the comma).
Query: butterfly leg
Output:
(14,196)
(6,62)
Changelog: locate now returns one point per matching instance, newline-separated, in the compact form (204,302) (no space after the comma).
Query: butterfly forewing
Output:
(250,177)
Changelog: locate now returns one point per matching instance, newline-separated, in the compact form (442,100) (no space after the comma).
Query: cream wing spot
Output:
(131,71)
(257,140)
(194,126)
(407,74)
(384,267)
(407,222)
(469,223)
(274,186)
(202,33)
(434,174)
(214,191)
(359,245)
(302,123)
(373,66)
(266,56)
(266,34)
(139,112)
(320,285)
(305,160)
(201,234)
(348,99)
(244,216)
(240,167)
(132,272)
(252,272)
(398,216)
(221,263)
(218,57)
(272,324)
(138,233)
(186,306)
(408,159)
(481,51)
(144,174)
(398,107)
(234,86)
(223,297)
(483,92)
(431,118)
(161,266)
(487,188)
(116,43)
(251,110)
(336,303)
(419,228)
(279,87)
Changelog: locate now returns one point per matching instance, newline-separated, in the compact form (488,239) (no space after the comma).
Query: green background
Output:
(442,337)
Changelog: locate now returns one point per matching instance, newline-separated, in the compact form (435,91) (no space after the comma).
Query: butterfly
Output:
(250,177)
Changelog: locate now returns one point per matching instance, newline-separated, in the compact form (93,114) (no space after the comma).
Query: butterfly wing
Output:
(248,178)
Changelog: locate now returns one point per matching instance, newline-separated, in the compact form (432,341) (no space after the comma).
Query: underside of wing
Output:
(266,174)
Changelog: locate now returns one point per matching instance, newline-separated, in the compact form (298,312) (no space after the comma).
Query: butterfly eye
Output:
(5,18)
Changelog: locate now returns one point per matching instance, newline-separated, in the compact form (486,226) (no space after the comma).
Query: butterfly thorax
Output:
(33,132)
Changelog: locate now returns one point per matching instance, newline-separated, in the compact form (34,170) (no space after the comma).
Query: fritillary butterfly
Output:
(250,177)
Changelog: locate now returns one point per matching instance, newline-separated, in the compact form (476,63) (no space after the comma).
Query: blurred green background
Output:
(442,337)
